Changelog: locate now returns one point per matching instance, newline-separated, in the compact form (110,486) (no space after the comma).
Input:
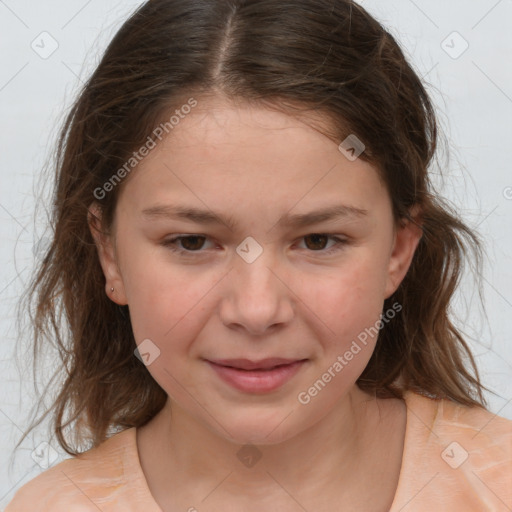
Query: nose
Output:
(257,298)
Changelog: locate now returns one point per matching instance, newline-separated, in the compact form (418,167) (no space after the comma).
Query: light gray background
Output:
(472,91)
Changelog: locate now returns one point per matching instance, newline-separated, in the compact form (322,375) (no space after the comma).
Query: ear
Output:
(107,256)
(407,237)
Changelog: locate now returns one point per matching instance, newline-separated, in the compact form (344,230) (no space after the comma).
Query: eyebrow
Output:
(295,220)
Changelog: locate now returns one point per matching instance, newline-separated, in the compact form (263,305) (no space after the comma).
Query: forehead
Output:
(227,154)
(214,129)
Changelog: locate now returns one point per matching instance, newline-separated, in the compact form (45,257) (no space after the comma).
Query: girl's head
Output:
(234,121)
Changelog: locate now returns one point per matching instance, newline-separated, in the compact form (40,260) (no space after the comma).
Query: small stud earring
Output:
(111,289)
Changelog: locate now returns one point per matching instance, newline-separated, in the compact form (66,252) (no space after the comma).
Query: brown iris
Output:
(197,242)
(317,240)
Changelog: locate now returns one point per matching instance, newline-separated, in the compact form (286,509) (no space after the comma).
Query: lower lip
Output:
(257,381)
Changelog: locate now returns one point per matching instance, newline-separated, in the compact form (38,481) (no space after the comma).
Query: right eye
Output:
(189,243)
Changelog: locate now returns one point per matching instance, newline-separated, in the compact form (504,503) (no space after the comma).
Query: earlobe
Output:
(114,286)
(407,238)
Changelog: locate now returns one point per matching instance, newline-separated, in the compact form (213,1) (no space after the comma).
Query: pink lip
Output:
(256,376)
(247,364)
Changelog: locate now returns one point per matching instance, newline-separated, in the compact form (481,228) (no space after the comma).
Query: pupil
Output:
(185,242)
(317,240)
(315,237)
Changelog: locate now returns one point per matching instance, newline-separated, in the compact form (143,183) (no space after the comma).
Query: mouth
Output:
(261,376)
(262,365)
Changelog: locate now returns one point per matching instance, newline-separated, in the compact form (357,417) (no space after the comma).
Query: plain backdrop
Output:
(462,50)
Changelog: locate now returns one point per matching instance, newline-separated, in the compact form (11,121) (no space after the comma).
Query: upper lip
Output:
(247,364)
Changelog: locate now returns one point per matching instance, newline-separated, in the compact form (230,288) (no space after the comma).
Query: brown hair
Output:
(325,57)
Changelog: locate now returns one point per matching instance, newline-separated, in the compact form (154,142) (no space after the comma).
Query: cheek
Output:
(162,299)
(167,308)
(167,316)
(348,301)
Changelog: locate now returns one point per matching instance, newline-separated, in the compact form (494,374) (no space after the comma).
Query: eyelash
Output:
(171,244)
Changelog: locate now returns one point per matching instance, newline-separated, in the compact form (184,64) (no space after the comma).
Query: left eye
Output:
(315,242)
(318,239)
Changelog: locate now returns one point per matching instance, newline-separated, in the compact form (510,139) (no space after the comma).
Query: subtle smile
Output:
(256,376)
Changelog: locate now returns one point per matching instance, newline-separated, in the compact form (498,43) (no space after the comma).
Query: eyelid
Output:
(171,242)
(341,241)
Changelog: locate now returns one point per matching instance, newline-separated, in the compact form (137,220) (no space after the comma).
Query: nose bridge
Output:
(257,297)
(255,268)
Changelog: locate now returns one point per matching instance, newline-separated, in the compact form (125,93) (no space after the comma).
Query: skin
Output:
(295,300)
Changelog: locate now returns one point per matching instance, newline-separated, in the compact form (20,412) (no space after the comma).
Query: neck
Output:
(180,450)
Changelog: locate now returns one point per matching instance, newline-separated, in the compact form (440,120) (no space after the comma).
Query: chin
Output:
(258,429)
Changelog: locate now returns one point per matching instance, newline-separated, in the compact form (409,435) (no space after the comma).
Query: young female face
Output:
(265,274)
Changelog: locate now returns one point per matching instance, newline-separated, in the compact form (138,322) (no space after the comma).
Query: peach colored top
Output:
(455,459)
